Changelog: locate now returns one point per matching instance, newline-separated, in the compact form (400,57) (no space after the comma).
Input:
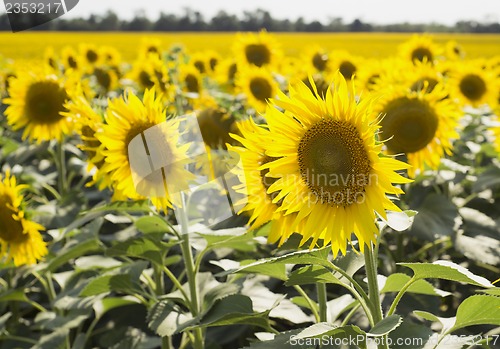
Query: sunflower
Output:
(472,85)
(420,124)
(258,85)
(128,119)
(316,59)
(215,126)
(423,76)
(190,79)
(50,58)
(453,50)
(105,79)
(260,50)
(327,165)
(87,124)
(150,46)
(346,63)
(20,238)
(70,58)
(142,73)
(35,104)
(420,48)
(225,72)
(255,184)
(90,54)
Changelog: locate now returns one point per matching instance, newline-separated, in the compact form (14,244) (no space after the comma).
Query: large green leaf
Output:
(281,341)
(147,247)
(107,283)
(102,306)
(385,326)
(152,224)
(311,274)
(436,217)
(478,310)
(396,281)
(76,250)
(487,180)
(165,318)
(446,270)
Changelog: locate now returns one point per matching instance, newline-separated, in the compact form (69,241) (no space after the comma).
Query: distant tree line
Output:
(192,21)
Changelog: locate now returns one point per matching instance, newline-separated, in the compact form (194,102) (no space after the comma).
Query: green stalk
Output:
(61,167)
(371,259)
(312,306)
(400,294)
(190,270)
(322,300)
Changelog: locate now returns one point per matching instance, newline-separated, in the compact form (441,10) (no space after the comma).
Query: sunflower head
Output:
(140,149)
(20,238)
(420,48)
(473,85)
(260,50)
(90,54)
(190,79)
(36,102)
(225,72)
(326,164)
(258,85)
(421,124)
(345,63)
(215,125)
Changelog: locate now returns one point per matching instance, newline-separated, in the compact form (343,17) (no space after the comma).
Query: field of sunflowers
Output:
(255,196)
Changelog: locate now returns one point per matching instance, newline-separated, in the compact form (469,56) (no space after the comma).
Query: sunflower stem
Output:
(371,258)
(187,253)
(61,167)
(322,301)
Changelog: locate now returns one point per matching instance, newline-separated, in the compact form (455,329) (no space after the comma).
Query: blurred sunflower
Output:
(50,58)
(316,59)
(36,100)
(346,63)
(142,73)
(258,85)
(225,72)
(70,58)
(472,85)
(126,118)
(255,183)
(90,54)
(199,61)
(190,79)
(260,50)
(215,125)
(423,76)
(105,79)
(20,238)
(453,50)
(327,165)
(420,48)
(87,124)
(419,124)
(150,46)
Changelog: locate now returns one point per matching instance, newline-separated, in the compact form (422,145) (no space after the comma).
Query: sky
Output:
(371,11)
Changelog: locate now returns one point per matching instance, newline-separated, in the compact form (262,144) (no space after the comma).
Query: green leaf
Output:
(446,270)
(314,257)
(400,221)
(395,283)
(108,283)
(75,251)
(385,326)
(141,206)
(53,340)
(146,247)
(102,306)
(277,271)
(281,341)
(478,310)
(13,295)
(311,274)
(166,319)
(233,310)
(236,238)
(436,217)
(152,224)
(487,180)
(492,291)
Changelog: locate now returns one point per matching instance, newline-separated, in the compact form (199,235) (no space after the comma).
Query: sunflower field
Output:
(250,198)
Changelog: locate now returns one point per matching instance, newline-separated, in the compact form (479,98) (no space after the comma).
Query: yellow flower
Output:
(420,48)
(255,183)
(126,118)
(327,165)
(258,85)
(344,62)
(20,238)
(420,124)
(316,59)
(260,50)
(472,85)
(90,54)
(453,50)
(70,59)
(225,73)
(35,104)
